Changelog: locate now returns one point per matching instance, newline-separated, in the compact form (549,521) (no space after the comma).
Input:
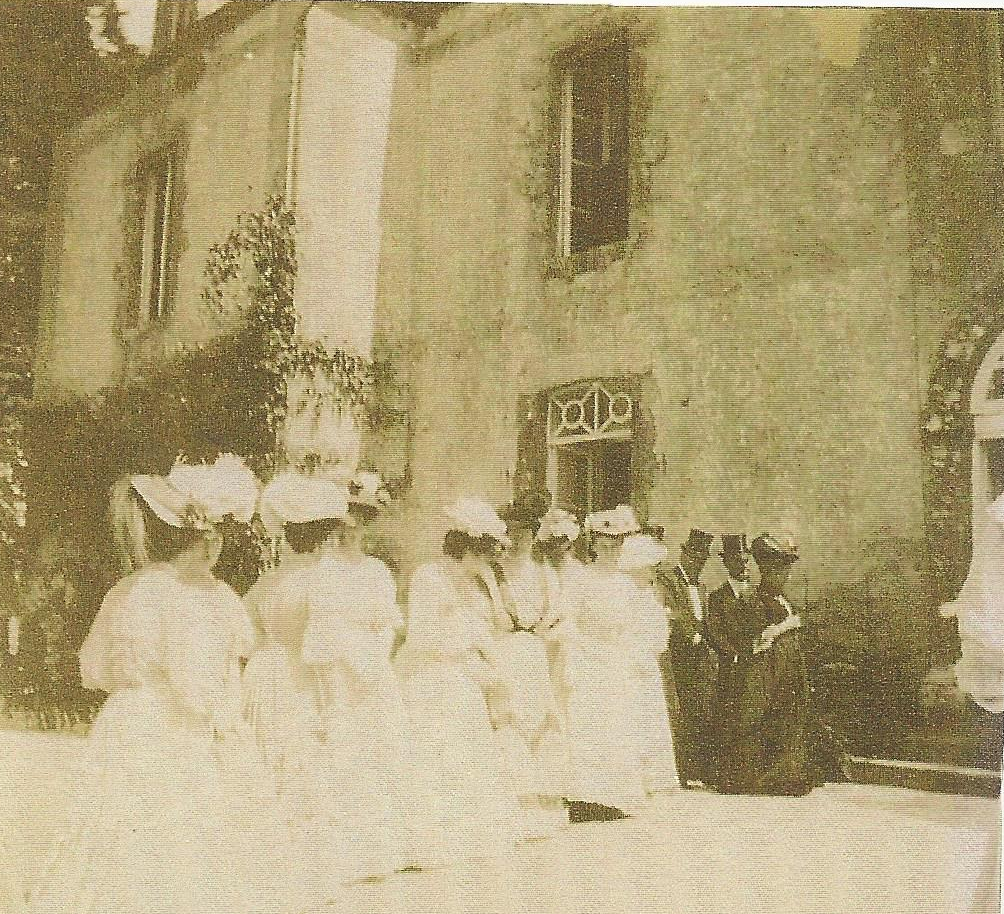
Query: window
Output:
(593,149)
(590,432)
(157,186)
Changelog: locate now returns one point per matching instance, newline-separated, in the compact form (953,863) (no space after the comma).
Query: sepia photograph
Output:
(500,458)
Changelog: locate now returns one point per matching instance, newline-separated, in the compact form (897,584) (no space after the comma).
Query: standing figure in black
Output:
(722,602)
(689,666)
(766,718)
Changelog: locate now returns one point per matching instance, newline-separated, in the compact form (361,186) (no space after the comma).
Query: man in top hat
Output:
(690,665)
(736,559)
(765,743)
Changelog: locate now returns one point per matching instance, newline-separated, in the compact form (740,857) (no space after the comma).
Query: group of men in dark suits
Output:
(734,672)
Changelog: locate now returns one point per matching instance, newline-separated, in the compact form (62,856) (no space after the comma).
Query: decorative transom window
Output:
(589,412)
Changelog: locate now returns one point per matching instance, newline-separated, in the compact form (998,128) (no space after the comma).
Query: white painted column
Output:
(342,124)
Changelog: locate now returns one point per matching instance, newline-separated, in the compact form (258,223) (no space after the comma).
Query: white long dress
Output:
(348,797)
(598,694)
(979,609)
(531,733)
(279,689)
(472,805)
(169,821)
(647,634)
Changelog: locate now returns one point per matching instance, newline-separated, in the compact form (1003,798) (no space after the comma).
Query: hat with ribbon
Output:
(221,489)
(641,551)
(292,497)
(774,552)
(477,518)
(619,521)
(201,495)
(558,525)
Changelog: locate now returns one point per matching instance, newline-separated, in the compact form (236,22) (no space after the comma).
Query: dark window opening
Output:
(593,174)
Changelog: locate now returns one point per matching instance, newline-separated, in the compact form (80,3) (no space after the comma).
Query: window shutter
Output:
(531,444)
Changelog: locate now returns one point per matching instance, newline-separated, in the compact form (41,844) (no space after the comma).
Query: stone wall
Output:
(233,125)
(767,290)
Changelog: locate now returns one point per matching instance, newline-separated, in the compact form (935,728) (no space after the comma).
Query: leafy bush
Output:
(227,395)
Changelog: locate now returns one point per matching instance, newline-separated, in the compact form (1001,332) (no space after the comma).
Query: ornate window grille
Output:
(594,411)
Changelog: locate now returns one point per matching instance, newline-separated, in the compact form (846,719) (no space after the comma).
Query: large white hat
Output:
(641,551)
(558,524)
(619,521)
(167,503)
(296,498)
(477,518)
(199,496)
(225,487)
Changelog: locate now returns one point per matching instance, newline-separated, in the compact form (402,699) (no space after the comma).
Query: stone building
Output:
(699,259)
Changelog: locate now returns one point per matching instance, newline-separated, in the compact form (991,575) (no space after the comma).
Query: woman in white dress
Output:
(172,817)
(446,667)
(352,625)
(600,719)
(525,709)
(647,635)
(979,608)
(280,690)
(335,609)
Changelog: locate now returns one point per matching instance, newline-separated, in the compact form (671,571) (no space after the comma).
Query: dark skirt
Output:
(765,721)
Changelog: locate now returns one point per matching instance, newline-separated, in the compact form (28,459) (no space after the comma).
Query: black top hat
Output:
(770,552)
(526,509)
(734,544)
(654,530)
(698,541)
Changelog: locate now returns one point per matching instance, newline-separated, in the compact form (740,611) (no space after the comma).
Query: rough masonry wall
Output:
(768,294)
(233,126)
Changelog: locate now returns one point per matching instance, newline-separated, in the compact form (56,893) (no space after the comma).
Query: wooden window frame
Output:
(157,180)
(581,57)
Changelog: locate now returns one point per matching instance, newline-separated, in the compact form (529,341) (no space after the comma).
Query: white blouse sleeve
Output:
(116,653)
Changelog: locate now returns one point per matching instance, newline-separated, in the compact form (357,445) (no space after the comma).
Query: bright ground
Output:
(843,850)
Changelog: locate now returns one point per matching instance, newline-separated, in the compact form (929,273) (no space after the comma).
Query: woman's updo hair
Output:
(140,536)
(164,542)
(457,544)
(364,514)
(308,536)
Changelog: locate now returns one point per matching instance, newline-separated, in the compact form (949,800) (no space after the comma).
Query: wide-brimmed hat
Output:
(619,521)
(367,490)
(698,542)
(641,551)
(558,525)
(735,544)
(201,495)
(771,551)
(292,497)
(167,503)
(476,518)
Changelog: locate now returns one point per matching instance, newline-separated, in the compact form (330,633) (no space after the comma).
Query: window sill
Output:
(593,260)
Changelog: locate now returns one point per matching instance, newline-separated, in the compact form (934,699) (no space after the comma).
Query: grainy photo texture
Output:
(500,458)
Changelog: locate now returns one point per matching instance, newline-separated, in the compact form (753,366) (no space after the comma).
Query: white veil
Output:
(979,608)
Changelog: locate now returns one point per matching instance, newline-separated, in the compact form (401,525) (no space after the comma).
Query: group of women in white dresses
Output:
(258,755)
